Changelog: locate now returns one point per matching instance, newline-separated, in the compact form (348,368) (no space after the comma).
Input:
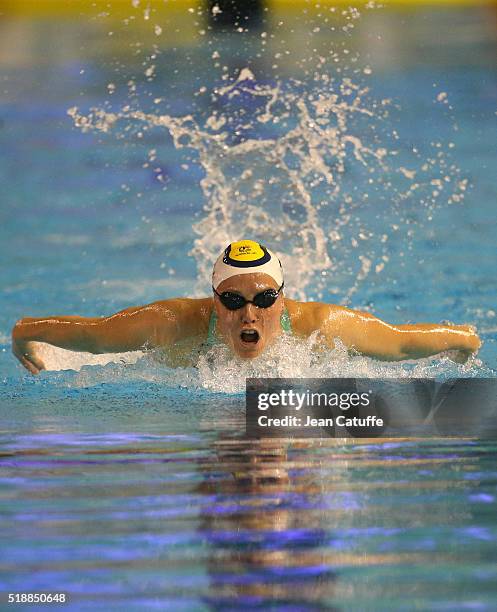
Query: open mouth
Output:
(249,336)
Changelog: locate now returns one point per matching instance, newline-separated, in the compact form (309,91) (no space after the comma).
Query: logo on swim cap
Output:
(246,257)
(245,254)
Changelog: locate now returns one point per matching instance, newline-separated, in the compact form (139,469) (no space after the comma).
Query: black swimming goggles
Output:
(234,301)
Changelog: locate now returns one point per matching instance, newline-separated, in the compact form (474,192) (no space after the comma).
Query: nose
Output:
(249,313)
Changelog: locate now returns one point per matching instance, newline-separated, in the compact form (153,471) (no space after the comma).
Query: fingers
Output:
(30,362)
(30,366)
(37,363)
(462,356)
(28,358)
(457,356)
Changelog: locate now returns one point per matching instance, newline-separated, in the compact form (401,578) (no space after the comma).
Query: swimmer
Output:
(247,311)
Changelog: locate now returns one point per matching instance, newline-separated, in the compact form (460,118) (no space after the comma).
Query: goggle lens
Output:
(266,298)
(232,301)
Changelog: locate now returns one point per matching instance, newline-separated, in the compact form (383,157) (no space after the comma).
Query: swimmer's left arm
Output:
(373,337)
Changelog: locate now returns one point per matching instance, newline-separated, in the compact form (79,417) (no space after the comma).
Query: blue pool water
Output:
(129,484)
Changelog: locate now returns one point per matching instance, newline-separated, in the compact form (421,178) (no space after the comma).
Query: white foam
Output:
(278,184)
(292,357)
(218,370)
(56,358)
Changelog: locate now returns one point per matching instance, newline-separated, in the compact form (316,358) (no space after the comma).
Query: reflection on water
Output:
(210,520)
(262,550)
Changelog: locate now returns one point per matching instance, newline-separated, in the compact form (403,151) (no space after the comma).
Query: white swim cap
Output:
(246,257)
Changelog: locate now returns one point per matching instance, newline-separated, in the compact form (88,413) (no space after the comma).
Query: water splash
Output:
(291,357)
(296,166)
(218,370)
(59,359)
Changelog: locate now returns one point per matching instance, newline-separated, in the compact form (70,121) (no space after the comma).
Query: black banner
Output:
(370,408)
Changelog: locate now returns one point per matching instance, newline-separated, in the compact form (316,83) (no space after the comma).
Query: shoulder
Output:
(197,305)
(190,314)
(307,317)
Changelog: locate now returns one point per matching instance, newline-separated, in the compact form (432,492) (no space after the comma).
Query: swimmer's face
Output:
(249,330)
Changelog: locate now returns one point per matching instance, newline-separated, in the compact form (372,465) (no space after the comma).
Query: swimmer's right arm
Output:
(157,324)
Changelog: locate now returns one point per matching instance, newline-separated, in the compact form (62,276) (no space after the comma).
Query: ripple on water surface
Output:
(210,519)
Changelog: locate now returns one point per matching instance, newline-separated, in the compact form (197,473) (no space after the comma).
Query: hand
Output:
(25,351)
(473,345)
(459,356)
